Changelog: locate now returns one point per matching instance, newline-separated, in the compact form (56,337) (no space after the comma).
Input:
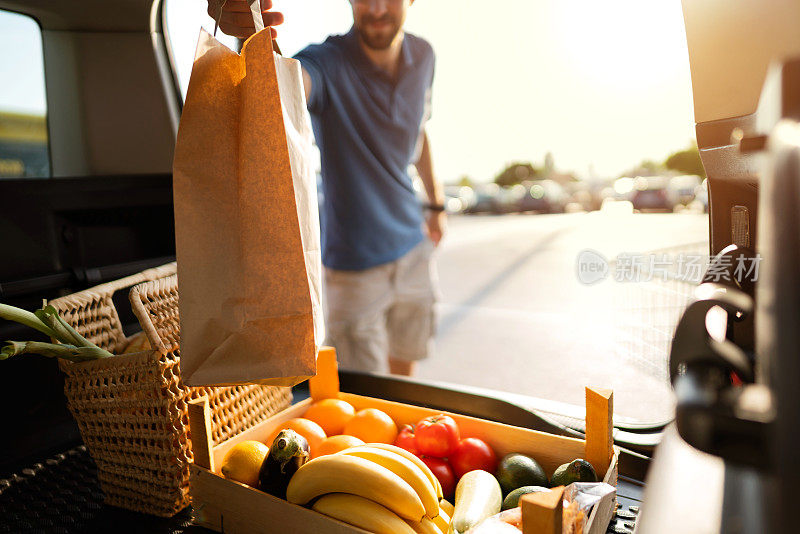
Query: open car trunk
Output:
(106,213)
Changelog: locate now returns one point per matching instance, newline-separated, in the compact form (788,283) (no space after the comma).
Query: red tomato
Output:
(437,436)
(471,454)
(442,471)
(406,439)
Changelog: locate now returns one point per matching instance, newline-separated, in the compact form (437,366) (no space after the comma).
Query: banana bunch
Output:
(377,487)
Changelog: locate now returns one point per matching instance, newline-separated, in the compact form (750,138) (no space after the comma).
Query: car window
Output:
(23,107)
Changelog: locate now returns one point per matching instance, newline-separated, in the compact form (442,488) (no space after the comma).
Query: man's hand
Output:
(436,225)
(236,19)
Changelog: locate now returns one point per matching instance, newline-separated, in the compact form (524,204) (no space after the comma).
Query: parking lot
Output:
(514,317)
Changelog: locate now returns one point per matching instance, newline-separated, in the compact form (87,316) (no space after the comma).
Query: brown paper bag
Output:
(246,220)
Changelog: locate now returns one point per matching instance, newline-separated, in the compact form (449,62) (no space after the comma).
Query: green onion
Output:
(52,350)
(64,332)
(73,347)
(26,318)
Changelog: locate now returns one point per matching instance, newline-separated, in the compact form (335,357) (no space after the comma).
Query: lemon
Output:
(243,462)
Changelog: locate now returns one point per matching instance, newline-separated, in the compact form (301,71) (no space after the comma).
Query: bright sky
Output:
(601,85)
(21,65)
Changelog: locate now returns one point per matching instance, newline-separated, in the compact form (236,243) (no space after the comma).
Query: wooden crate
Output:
(227,506)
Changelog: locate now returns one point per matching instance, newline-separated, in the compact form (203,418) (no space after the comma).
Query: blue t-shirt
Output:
(367,127)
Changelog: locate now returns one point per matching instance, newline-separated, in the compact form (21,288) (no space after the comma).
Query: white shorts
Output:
(383,311)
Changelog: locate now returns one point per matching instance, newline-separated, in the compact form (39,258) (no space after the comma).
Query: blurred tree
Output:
(650,165)
(646,167)
(517,173)
(686,162)
(465,181)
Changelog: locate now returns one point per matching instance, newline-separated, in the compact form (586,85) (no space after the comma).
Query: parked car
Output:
(683,188)
(651,195)
(700,202)
(458,198)
(508,198)
(486,200)
(543,196)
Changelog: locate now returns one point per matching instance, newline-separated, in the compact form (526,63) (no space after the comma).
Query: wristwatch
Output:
(434,207)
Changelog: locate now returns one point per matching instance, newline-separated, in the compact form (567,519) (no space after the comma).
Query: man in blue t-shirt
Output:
(369,94)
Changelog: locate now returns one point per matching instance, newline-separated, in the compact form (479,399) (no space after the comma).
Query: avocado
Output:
(517,470)
(512,499)
(578,470)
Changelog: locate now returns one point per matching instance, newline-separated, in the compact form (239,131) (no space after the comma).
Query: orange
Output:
(305,427)
(331,415)
(372,426)
(335,444)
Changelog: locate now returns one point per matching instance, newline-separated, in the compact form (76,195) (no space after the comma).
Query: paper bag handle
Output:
(255,10)
(258,20)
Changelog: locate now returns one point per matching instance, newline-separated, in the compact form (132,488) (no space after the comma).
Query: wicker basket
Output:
(132,409)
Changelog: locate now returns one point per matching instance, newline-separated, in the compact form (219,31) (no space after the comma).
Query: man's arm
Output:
(306,82)
(236,20)
(436,220)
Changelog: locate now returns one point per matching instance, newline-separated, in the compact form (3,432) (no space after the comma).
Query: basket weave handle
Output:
(83,310)
(156,302)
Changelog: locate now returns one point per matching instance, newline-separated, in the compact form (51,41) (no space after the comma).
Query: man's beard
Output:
(379,40)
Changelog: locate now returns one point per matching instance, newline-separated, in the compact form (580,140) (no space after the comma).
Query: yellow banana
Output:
(342,473)
(442,520)
(405,469)
(419,463)
(426,526)
(445,505)
(362,513)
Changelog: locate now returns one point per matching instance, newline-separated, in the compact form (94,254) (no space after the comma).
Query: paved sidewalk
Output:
(514,316)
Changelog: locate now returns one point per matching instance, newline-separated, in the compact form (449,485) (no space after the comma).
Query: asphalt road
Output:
(513,315)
